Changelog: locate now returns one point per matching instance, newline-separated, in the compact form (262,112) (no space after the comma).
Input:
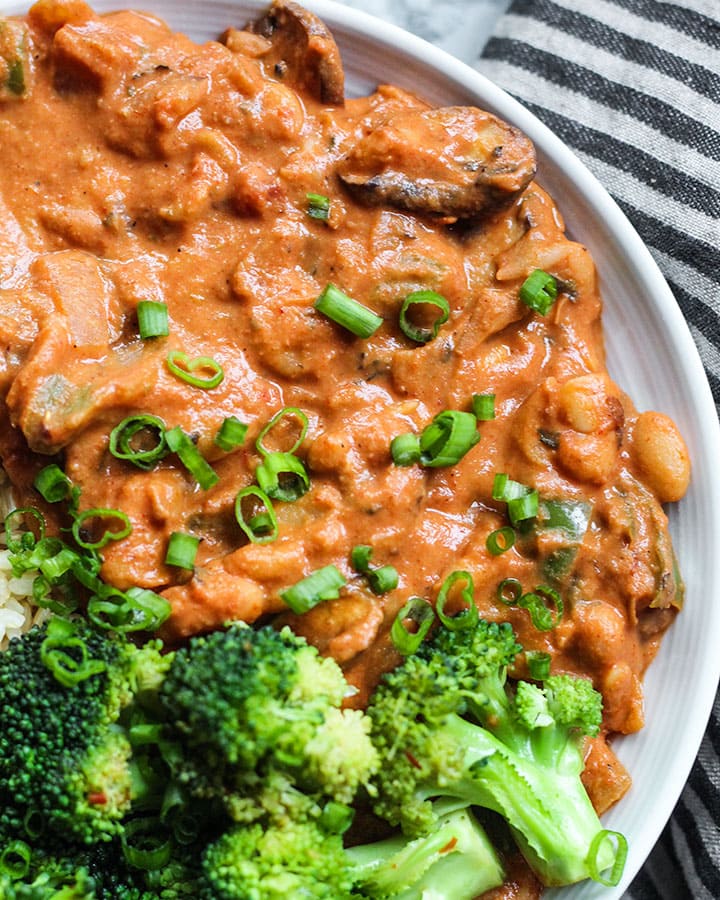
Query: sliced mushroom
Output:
(303,52)
(457,162)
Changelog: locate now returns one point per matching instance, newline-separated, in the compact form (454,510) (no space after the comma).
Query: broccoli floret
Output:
(297,859)
(257,713)
(447,725)
(456,861)
(64,755)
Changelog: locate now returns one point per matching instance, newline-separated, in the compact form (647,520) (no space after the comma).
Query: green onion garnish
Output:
(522,501)
(180,443)
(152,319)
(381,579)
(18,536)
(82,532)
(138,609)
(405,449)
(500,540)
(66,655)
(318,207)
(545,606)
(182,549)
(53,484)
(419,612)
(231,434)
(261,527)
(15,860)
(538,663)
(282,476)
(468,616)
(140,439)
(146,844)
(347,312)
(483,406)
(422,299)
(183,367)
(620,852)
(509,591)
(539,291)
(285,412)
(449,436)
(323,584)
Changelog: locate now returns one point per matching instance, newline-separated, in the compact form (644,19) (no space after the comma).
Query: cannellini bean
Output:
(590,404)
(591,458)
(660,453)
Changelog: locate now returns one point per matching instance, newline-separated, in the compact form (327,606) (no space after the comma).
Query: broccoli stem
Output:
(454,862)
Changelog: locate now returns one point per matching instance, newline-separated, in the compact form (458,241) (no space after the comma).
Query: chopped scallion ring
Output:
(538,663)
(285,412)
(348,313)
(405,449)
(180,443)
(146,843)
(138,609)
(152,319)
(522,501)
(184,368)
(86,522)
(483,406)
(323,584)
(53,484)
(545,606)
(509,591)
(421,613)
(539,291)
(139,439)
(181,550)
(469,615)
(318,207)
(381,579)
(423,299)
(500,540)
(618,857)
(449,436)
(20,537)
(231,434)
(67,656)
(15,860)
(282,476)
(261,527)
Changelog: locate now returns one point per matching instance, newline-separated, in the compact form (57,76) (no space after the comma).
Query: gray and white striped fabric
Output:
(633,86)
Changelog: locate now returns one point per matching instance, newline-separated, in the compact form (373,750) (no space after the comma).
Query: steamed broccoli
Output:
(64,755)
(258,715)
(455,861)
(448,726)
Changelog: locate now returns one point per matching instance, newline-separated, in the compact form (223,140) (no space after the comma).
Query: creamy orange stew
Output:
(139,166)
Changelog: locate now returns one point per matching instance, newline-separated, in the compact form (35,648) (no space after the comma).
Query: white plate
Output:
(650,353)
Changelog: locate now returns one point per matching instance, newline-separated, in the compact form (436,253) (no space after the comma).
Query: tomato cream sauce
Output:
(140,166)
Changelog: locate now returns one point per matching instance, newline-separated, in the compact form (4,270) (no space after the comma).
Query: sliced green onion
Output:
(509,591)
(468,616)
(15,860)
(152,319)
(347,312)
(545,606)
(483,406)
(322,584)
(180,443)
(318,207)
(405,449)
(538,663)
(19,539)
(34,823)
(522,508)
(449,436)
(138,609)
(146,844)
(419,612)
(285,412)
(282,476)
(81,532)
(53,484)
(505,489)
(260,528)
(69,668)
(148,432)
(620,851)
(539,291)
(181,550)
(183,367)
(419,333)
(231,434)
(58,564)
(500,540)
(381,579)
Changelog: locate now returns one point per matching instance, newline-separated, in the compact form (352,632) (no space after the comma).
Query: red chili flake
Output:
(450,846)
(411,759)
(97,798)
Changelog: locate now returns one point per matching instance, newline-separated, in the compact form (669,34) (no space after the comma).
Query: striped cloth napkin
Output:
(633,86)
